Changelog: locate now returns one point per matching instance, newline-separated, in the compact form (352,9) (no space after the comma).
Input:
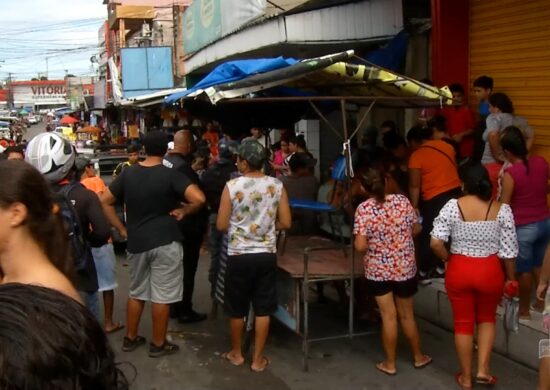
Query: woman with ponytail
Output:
(482,234)
(33,243)
(524,188)
(384,227)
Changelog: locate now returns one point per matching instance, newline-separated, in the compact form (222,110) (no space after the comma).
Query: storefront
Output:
(509,42)
(504,39)
(40,95)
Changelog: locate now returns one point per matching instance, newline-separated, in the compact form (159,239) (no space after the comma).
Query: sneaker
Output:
(165,349)
(128,345)
(191,317)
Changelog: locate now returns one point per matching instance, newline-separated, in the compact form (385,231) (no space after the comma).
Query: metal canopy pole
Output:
(362,119)
(347,156)
(327,122)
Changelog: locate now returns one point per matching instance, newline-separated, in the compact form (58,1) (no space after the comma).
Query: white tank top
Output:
(254,206)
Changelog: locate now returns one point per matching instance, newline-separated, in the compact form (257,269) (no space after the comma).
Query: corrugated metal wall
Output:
(509,41)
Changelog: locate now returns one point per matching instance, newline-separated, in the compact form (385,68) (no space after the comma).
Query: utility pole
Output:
(10,92)
(175,51)
(47,68)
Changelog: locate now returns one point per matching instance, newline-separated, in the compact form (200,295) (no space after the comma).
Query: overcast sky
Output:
(65,32)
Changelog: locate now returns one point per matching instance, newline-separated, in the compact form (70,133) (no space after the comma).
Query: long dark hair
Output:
(50,341)
(502,102)
(513,141)
(374,181)
(21,183)
(476,180)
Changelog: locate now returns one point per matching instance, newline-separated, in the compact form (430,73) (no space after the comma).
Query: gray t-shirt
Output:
(495,122)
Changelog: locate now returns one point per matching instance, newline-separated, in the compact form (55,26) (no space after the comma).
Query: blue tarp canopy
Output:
(234,71)
(4,124)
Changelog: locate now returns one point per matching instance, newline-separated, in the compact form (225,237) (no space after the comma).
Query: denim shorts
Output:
(533,239)
(105,265)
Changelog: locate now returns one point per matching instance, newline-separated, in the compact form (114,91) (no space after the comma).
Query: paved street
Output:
(339,364)
(35,129)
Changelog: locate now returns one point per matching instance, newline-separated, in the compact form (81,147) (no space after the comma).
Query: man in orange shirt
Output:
(460,122)
(433,181)
(104,256)
(213,137)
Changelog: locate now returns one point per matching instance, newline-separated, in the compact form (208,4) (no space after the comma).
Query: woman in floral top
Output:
(384,226)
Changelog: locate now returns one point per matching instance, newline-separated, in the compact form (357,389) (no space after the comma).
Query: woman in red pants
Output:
(482,233)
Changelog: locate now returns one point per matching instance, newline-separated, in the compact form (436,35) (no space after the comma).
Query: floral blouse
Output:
(388,228)
(254,206)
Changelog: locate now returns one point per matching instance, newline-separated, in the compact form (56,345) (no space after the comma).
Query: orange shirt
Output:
(213,138)
(436,161)
(95,184)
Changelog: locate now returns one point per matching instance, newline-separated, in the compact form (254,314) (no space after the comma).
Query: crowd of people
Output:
(454,198)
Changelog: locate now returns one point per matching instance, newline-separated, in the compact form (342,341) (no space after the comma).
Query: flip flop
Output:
(225,356)
(424,364)
(266,360)
(380,368)
(486,381)
(118,326)
(458,377)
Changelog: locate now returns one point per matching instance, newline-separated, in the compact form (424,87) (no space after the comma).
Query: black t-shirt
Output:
(214,180)
(150,194)
(197,222)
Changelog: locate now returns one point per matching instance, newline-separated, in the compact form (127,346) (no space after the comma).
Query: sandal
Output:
(225,356)
(266,360)
(128,345)
(118,326)
(486,381)
(458,379)
(165,349)
(384,370)
(424,364)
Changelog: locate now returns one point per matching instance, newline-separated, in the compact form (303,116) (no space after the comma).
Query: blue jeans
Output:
(91,301)
(533,239)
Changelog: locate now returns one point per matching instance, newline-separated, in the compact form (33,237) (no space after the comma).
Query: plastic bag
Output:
(511,314)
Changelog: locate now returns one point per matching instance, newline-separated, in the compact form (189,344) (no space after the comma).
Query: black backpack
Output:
(80,250)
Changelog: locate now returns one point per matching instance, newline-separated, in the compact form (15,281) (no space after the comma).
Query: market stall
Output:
(286,88)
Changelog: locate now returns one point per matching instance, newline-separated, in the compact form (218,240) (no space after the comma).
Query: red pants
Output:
(475,287)
(494,170)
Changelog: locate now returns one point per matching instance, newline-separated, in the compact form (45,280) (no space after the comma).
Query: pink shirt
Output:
(529,197)
(278,159)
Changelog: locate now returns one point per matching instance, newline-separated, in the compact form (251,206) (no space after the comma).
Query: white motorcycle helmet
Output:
(52,155)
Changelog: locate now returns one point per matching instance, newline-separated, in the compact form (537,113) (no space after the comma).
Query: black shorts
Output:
(251,278)
(401,289)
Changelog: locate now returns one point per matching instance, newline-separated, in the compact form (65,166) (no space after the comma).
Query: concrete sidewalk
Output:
(339,364)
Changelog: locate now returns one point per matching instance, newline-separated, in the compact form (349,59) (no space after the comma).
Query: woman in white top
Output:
(482,232)
(252,208)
